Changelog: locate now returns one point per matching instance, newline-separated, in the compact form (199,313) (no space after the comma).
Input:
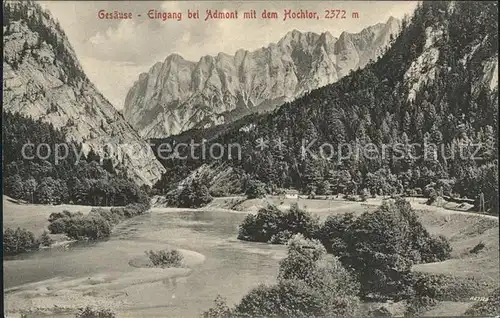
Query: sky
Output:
(114,52)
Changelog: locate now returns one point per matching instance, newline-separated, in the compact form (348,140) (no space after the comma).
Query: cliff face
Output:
(177,95)
(43,79)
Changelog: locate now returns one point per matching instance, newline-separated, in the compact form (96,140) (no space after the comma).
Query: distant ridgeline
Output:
(37,180)
(437,82)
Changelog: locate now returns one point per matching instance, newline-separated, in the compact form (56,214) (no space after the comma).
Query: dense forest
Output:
(454,109)
(45,179)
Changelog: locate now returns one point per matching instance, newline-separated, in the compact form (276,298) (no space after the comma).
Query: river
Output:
(66,278)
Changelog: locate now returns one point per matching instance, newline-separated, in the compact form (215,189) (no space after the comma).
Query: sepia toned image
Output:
(226,159)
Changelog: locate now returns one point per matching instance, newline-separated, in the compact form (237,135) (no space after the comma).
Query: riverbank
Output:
(57,282)
(63,296)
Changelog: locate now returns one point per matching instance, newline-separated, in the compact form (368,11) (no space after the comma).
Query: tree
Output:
(30,186)
(46,240)
(194,195)
(220,310)
(309,285)
(297,220)
(18,241)
(323,187)
(334,233)
(381,246)
(263,226)
(255,190)
(47,191)
(14,186)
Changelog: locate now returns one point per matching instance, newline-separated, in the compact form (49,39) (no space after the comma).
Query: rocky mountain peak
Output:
(225,87)
(44,80)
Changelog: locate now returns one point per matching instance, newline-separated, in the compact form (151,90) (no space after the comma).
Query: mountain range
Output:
(176,95)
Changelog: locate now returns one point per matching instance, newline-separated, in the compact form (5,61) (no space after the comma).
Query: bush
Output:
(281,237)
(165,258)
(479,247)
(96,225)
(45,239)
(427,290)
(255,190)
(59,221)
(381,247)
(195,195)
(418,305)
(220,310)
(261,227)
(291,298)
(58,226)
(269,222)
(438,249)
(333,233)
(108,215)
(90,312)
(61,215)
(286,299)
(92,227)
(18,241)
(296,220)
(309,285)
(324,188)
(301,259)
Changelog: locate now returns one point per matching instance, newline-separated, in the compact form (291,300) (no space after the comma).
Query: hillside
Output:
(55,178)
(176,95)
(44,80)
(436,84)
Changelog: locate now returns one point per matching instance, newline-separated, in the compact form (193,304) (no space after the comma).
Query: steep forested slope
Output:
(40,166)
(436,84)
(43,79)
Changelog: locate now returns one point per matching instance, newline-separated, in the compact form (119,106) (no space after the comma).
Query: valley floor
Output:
(191,228)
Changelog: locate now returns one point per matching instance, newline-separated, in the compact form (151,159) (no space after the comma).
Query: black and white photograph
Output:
(230,159)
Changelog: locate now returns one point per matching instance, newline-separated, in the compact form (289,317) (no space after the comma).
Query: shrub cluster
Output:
(194,195)
(96,225)
(309,285)
(21,240)
(382,246)
(165,258)
(59,221)
(275,226)
(255,189)
(18,241)
(379,247)
(91,312)
(45,239)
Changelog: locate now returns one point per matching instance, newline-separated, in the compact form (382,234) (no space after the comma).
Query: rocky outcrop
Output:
(44,80)
(177,95)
